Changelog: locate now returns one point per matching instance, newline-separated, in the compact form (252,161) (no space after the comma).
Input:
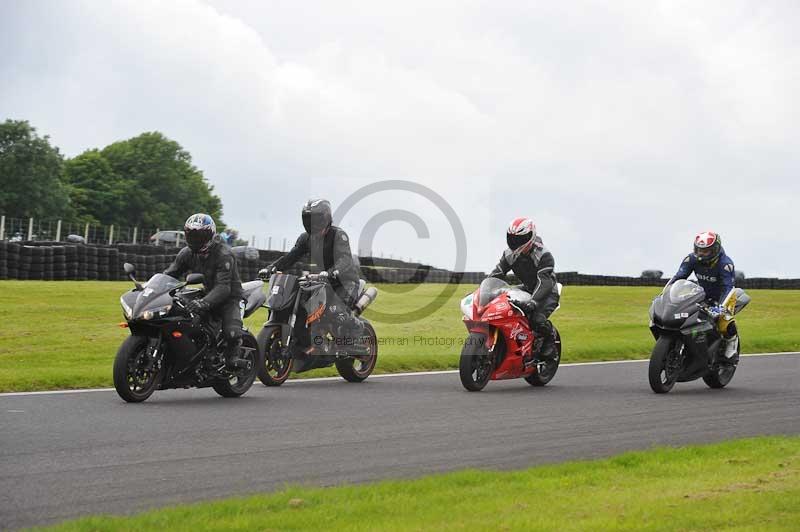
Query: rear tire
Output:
(132,382)
(661,377)
(275,366)
(475,365)
(723,374)
(365,364)
(550,367)
(238,386)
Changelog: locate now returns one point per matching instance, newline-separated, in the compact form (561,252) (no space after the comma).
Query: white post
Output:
(111,235)
(254,240)
(135,229)
(269,242)
(2,227)
(284,245)
(158,240)
(86,233)
(30,229)
(177,240)
(58,231)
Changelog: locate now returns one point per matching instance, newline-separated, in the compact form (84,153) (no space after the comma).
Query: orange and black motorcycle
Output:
(305,330)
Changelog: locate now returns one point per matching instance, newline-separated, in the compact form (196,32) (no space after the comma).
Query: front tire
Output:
(238,385)
(276,364)
(357,369)
(661,373)
(133,381)
(549,367)
(475,365)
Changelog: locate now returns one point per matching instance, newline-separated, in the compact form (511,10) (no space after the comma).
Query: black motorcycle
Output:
(303,330)
(688,343)
(169,347)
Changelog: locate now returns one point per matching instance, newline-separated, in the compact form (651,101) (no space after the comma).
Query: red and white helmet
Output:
(521,235)
(707,247)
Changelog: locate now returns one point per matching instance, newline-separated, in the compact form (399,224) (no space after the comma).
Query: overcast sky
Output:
(622,128)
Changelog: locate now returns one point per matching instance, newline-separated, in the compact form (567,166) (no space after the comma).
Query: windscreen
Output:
(160,283)
(491,287)
(683,290)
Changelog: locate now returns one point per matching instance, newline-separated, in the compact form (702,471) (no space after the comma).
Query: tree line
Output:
(146,181)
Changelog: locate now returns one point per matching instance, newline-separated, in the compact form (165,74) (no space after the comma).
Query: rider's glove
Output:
(198,306)
(264,273)
(717,311)
(324,276)
(527,305)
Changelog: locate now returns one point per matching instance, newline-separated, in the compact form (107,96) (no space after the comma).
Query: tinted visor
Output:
(705,254)
(314,222)
(516,241)
(197,238)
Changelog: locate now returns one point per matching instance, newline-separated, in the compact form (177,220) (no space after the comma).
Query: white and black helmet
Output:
(199,230)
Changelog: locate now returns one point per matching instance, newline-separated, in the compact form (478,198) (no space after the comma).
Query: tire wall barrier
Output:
(58,261)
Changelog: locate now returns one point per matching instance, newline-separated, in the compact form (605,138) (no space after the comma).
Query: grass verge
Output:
(751,484)
(56,335)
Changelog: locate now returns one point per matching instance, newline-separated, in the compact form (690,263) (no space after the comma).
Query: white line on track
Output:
(386,375)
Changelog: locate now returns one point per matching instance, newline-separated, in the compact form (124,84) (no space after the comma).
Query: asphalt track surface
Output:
(64,455)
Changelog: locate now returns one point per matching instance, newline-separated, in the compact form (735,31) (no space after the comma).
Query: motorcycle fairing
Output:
(281,291)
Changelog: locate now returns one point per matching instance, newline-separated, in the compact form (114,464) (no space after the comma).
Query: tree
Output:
(158,183)
(30,173)
(95,192)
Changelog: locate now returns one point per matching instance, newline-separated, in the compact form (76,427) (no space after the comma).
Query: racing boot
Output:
(729,348)
(351,329)
(548,349)
(233,356)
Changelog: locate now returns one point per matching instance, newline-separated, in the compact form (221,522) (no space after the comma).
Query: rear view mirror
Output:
(130,270)
(194,278)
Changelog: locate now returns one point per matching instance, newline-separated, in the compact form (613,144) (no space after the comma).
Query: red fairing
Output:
(500,318)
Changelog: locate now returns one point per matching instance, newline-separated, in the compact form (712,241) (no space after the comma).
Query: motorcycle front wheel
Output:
(662,371)
(134,379)
(475,365)
(277,361)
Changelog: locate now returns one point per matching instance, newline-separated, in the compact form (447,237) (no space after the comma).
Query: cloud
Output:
(623,128)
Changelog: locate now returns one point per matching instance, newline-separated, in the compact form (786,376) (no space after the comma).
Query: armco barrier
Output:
(64,261)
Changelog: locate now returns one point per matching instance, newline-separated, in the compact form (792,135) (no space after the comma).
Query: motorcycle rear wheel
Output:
(276,364)
(238,385)
(723,373)
(662,377)
(357,369)
(133,382)
(475,365)
(550,366)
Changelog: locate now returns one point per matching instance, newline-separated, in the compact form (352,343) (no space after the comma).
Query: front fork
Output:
(154,354)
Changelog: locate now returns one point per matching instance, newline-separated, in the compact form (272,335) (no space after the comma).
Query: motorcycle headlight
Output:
(126,309)
(156,313)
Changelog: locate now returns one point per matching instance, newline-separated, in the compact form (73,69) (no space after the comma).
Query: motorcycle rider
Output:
(205,253)
(534,266)
(327,246)
(715,273)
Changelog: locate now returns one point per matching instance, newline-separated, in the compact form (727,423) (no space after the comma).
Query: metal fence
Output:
(39,230)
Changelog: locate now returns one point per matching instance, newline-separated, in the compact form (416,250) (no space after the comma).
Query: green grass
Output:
(751,484)
(64,335)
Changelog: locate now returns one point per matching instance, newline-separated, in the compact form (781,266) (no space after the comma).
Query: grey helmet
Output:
(317,215)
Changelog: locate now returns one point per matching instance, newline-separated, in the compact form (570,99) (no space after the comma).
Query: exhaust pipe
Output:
(366,299)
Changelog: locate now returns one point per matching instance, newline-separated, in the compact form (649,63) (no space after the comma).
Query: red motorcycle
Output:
(501,344)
